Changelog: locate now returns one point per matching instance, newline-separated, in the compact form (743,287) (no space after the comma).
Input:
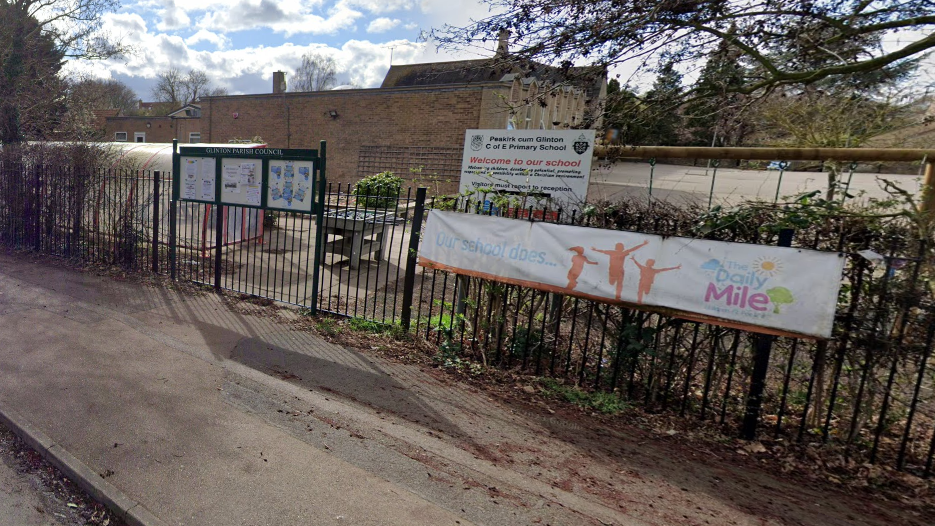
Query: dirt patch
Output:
(662,468)
(61,498)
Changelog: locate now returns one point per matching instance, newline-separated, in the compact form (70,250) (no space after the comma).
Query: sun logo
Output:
(766,266)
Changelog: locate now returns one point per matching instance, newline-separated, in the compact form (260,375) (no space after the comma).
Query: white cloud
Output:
(125,24)
(383,6)
(366,63)
(247,69)
(382,25)
(289,17)
(173,16)
(203,35)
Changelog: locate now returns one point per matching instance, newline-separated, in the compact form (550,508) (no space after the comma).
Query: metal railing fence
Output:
(868,391)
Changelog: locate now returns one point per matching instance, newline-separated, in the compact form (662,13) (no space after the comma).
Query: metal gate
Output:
(246,220)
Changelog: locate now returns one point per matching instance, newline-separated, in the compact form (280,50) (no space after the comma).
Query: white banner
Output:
(775,290)
(551,165)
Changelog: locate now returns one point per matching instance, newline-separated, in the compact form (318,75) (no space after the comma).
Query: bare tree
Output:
(73,25)
(216,91)
(175,88)
(819,119)
(784,42)
(83,96)
(98,94)
(317,73)
(168,87)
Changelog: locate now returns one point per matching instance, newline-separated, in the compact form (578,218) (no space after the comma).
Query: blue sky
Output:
(240,43)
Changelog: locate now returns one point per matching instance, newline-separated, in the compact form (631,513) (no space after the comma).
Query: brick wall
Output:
(161,129)
(185,127)
(433,116)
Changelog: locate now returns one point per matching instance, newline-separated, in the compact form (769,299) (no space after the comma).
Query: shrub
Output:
(378,191)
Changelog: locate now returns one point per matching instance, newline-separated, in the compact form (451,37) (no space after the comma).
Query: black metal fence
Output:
(869,391)
(109,217)
(366,253)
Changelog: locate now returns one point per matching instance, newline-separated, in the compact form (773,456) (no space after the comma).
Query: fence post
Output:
(410,279)
(319,227)
(37,209)
(173,209)
(763,346)
(927,205)
(462,292)
(218,243)
(156,183)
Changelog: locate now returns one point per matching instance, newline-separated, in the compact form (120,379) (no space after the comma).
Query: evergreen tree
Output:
(716,115)
(31,91)
(662,117)
(624,112)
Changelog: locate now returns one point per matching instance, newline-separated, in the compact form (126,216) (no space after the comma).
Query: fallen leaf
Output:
(755,447)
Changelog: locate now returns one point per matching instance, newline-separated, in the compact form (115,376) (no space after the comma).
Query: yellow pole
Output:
(765,154)
(928,188)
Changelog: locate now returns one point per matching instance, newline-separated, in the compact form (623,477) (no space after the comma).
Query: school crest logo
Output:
(477,142)
(581,145)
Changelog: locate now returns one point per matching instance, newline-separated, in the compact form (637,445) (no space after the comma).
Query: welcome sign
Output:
(554,166)
(775,290)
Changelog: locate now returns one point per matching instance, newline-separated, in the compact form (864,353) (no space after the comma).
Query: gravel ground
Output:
(35,493)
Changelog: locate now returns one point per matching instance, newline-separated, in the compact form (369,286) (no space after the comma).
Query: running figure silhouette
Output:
(618,256)
(648,276)
(577,265)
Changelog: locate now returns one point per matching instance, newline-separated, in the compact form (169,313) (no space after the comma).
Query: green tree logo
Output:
(780,296)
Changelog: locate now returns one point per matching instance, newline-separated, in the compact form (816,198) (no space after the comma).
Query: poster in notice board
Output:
(290,186)
(241,182)
(199,179)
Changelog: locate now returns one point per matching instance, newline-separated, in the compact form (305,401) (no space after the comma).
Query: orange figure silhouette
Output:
(577,265)
(618,256)
(648,276)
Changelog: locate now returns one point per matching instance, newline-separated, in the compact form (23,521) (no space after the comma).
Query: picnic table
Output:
(355,233)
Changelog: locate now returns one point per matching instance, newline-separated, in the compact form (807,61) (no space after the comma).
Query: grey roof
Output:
(496,69)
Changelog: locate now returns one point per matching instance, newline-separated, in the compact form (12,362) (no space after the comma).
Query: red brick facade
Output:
(154,129)
(423,116)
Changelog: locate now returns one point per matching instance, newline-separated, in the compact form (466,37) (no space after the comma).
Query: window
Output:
(120,136)
(194,137)
(139,137)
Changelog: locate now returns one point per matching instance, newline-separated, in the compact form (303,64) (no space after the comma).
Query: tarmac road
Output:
(688,183)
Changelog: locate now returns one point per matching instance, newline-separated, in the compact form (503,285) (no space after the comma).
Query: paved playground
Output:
(680,184)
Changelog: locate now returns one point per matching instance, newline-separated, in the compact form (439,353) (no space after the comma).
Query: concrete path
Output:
(173,399)
(125,400)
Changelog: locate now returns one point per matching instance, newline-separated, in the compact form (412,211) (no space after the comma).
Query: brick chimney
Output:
(503,43)
(279,82)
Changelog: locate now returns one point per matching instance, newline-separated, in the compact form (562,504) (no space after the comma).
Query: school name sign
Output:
(774,290)
(552,165)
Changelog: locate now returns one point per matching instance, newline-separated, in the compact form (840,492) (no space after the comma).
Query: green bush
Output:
(378,191)
(607,403)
